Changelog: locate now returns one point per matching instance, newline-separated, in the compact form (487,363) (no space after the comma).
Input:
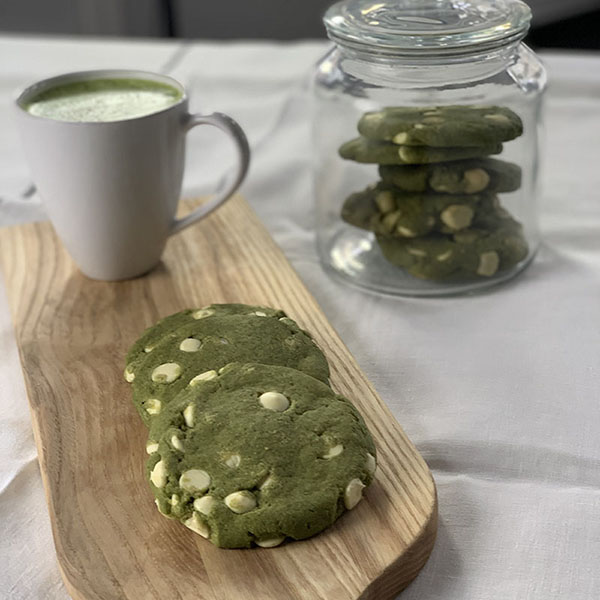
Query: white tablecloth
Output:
(500,391)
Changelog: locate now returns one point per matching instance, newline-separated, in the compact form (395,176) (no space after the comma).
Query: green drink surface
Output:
(97,100)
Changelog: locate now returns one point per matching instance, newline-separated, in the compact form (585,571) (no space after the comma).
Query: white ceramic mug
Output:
(111,188)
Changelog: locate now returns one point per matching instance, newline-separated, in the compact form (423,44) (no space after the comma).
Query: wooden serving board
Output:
(110,540)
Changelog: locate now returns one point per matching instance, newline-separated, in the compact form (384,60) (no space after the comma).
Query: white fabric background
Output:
(499,391)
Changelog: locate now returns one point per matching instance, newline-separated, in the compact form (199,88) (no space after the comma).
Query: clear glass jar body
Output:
(348,84)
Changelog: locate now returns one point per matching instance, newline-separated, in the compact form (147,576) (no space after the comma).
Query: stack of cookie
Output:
(248,444)
(435,210)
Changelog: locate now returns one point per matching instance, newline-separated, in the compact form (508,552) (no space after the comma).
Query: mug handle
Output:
(235,132)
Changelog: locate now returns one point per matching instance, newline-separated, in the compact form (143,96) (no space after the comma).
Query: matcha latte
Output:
(101,100)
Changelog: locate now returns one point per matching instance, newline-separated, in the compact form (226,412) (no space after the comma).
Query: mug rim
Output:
(49,82)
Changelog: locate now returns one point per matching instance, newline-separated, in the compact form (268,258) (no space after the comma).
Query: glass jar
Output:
(426,129)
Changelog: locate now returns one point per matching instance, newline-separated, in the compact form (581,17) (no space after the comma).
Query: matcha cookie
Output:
(197,350)
(154,333)
(442,126)
(257,455)
(469,254)
(459,177)
(384,153)
(385,210)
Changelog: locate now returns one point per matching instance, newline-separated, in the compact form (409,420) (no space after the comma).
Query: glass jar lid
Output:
(417,26)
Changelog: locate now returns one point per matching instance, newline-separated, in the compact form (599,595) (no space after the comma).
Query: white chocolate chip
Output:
(475,180)
(153,406)
(190,345)
(128,374)
(260,313)
(234,461)
(205,504)
(188,415)
(385,201)
(488,263)
(400,138)
(266,482)
(197,526)
(406,232)
(333,452)
(269,542)
(240,502)
(206,376)
(370,464)
(417,252)
(391,219)
(457,216)
(174,500)
(375,117)
(158,476)
(419,126)
(444,256)
(274,401)
(404,153)
(148,349)
(353,493)
(176,443)
(151,447)
(202,313)
(166,373)
(194,481)
(503,119)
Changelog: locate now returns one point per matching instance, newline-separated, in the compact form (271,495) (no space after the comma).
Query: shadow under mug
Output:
(111,188)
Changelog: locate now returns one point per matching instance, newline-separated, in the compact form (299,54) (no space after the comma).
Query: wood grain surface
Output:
(110,540)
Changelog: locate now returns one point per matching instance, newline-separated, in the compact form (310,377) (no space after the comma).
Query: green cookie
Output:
(259,454)
(384,153)
(154,333)
(387,211)
(442,126)
(458,177)
(470,254)
(201,347)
